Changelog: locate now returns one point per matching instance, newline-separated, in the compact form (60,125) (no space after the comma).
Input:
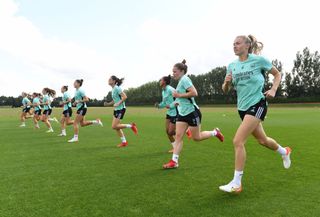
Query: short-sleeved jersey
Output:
(36,100)
(186,105)
(25,102)
(66,96)
(248,80)
(168,100)
(116,96)
(46,99)
(79,94)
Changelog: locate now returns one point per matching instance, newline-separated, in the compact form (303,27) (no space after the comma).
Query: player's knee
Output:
(114,126)
(196,138)
(238,143)
(170,132)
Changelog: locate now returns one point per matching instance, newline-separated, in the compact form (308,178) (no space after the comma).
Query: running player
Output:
(118,102)
(26,109)
(246,74)
(189,114)
(37,109)
(80,102)
(67,110)
(168,102)
(48,94)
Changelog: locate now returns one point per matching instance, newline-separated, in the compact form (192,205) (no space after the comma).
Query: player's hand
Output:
(167,106)
(116,104)
(176,104)
(270,93)
(175,94)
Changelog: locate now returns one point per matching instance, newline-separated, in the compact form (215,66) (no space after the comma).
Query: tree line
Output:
(301,84)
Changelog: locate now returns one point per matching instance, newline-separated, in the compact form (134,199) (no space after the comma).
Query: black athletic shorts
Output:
(67,113)
(173,119)
(47,112)
(193,119)
(82,111)
(26,109)
(119,114)
(38,112)
(258,110)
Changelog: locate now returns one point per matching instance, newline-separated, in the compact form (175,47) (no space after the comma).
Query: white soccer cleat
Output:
(49,131)
(286,158)
(231,188)
(99,122)
(73,140)
(62,134)
(22,125)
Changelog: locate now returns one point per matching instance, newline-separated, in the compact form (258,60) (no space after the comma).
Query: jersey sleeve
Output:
(119,90)
(82,93)
(266,65)
(187,83)
(229,70)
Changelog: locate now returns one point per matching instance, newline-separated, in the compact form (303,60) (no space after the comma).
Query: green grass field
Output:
(42,175)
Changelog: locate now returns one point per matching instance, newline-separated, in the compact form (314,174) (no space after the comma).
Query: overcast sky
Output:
(50,43)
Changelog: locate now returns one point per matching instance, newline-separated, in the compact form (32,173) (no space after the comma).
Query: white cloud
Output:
(205,41)
(51,60)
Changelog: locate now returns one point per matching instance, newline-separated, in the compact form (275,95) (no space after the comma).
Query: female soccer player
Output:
(46,102)
(168,101)
(189,114)
(80,102)
(26,104)
(67,110)
(246,74)
(37,109)
(118,102)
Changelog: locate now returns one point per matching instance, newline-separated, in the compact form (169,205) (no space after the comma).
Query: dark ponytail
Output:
(50,92)
(79,81)
(182,66)
(117,80)
(167,79)
(65,87)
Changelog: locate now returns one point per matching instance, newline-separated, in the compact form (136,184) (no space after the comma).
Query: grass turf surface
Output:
(42,175)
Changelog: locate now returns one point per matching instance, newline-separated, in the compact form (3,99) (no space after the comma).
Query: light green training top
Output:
(116,96)
(25,102)
(168,100)
(79,95)
(46,99)
(186,105)
(36,100)
(248,80)
(65,98)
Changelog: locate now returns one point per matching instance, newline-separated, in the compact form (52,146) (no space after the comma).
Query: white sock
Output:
(64,132)
(94,122)
(175,158)
(75,136)
(282,150)
(173,144)
(128,125)
(213,133)
(237,177)
(123,139)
